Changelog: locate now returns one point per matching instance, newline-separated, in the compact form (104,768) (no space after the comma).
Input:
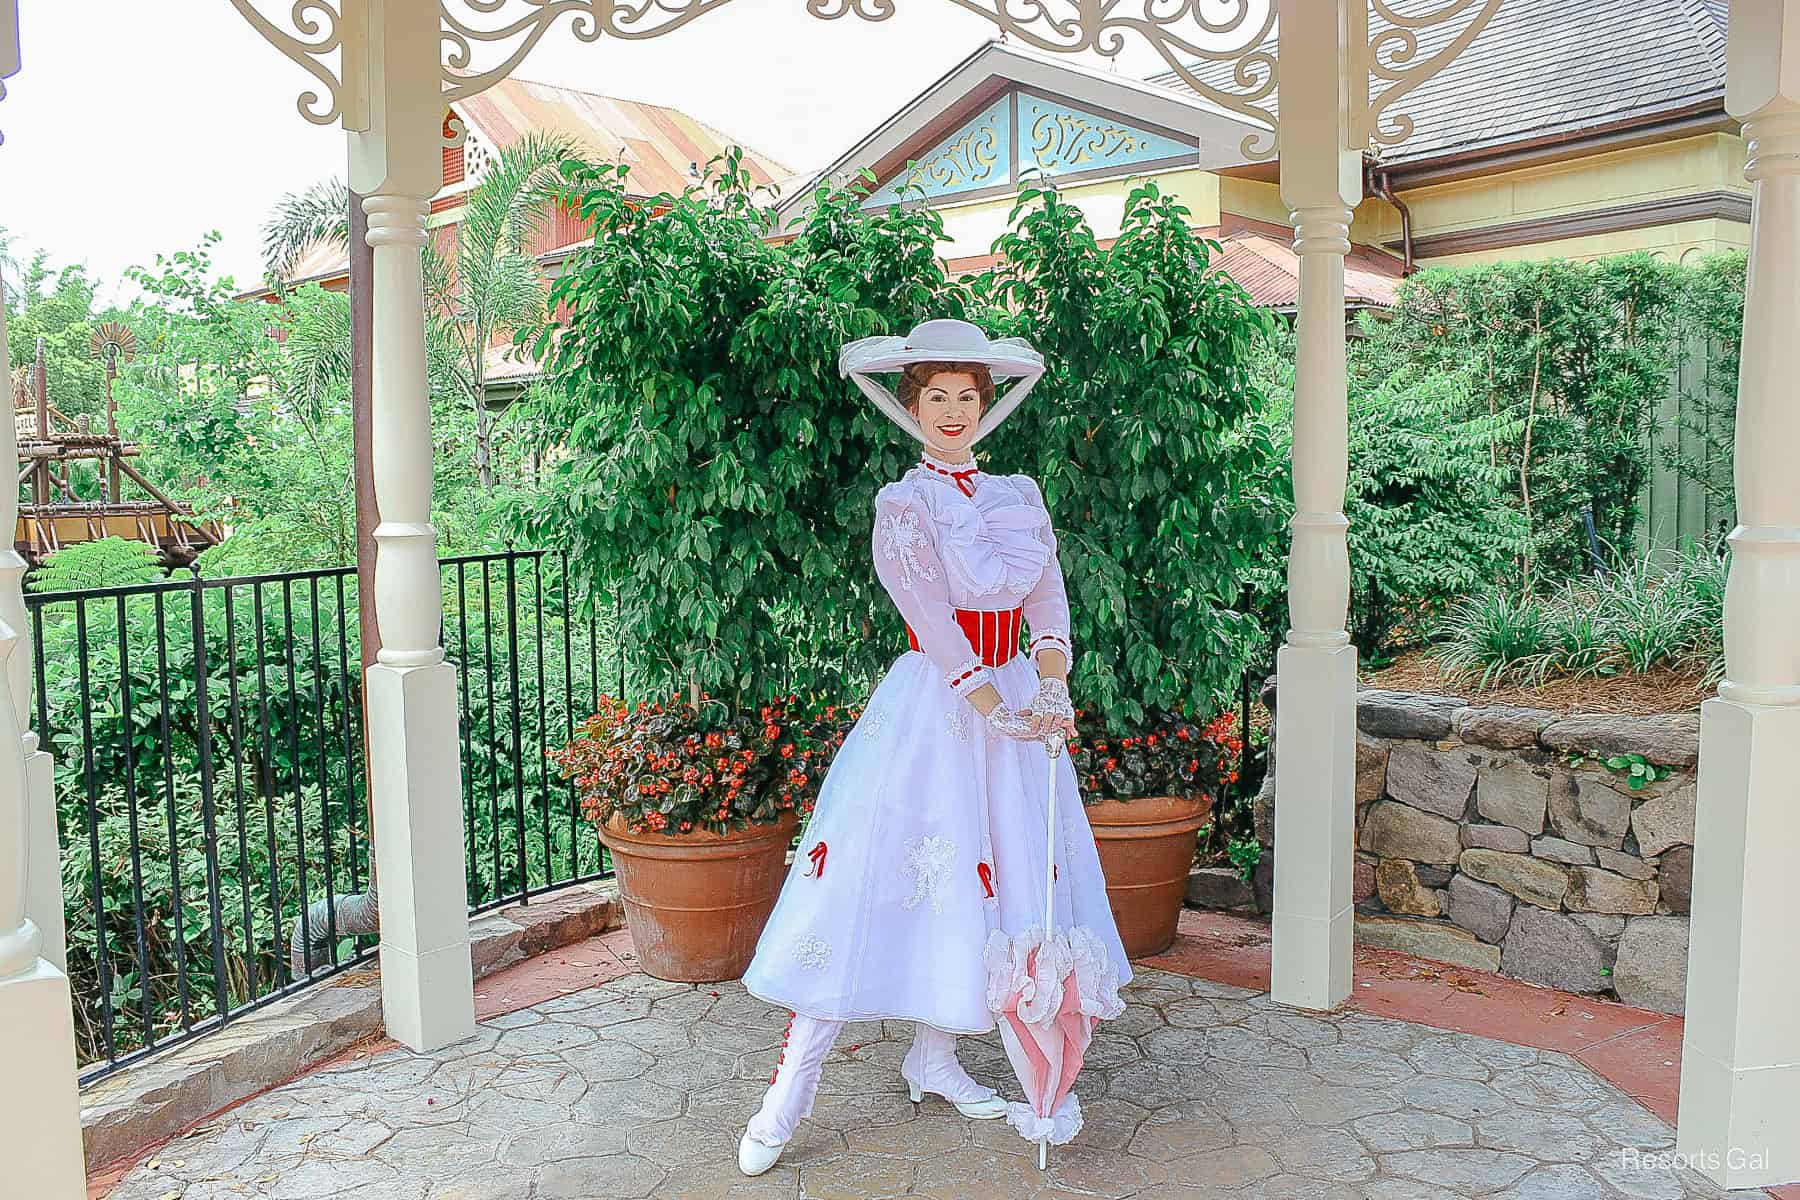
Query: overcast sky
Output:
(136,127)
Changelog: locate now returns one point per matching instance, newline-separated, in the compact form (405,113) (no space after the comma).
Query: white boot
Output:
(790,1094)
(931,1066)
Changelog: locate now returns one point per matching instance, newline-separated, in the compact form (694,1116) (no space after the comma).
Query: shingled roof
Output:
(1552,70)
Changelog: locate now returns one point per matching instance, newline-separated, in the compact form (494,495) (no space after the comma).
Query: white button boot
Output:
(790,1094)
(931,1066)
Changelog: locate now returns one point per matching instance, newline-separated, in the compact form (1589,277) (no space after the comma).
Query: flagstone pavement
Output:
(639,1088)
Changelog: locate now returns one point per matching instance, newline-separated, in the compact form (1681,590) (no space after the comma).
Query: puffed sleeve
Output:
(1046,608)
(907,564)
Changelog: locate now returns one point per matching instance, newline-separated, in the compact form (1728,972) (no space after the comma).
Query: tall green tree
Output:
(59,307)
(1141,438)
(1426,501)
(495,287)
(711,470)
(1574,356)
(242,409)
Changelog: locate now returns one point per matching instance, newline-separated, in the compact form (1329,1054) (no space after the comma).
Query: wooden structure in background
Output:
(51,442)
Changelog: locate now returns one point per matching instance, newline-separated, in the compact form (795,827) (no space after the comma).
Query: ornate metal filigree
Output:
(1237,35)
(1190,36)
(318,33)
(1171,27)
(1393,64)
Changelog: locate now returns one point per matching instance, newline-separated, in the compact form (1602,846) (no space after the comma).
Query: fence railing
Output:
(210,788)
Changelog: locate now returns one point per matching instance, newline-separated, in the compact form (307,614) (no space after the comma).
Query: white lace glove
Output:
(1008,722)
(1013,724)
(1053,699)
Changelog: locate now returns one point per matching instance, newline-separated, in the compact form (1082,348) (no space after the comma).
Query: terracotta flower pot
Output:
(697,902)
(1146,848)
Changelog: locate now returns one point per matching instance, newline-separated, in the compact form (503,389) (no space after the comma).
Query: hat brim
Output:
(1005,358)
(1009,358)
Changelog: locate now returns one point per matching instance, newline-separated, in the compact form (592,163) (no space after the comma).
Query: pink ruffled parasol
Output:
(1048,989)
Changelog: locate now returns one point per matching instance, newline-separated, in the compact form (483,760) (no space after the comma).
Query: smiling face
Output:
(948,400)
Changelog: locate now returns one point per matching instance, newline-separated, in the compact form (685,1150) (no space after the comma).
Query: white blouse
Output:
(938,548)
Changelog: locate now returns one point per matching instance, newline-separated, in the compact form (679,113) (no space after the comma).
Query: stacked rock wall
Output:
(1496,838)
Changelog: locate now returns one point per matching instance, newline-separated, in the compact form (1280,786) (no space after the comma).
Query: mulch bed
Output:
(1660,691)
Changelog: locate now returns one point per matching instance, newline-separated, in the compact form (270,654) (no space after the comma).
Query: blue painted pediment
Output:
(978,155)
(1025,133)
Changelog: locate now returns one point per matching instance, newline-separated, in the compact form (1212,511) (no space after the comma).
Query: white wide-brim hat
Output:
(942,340)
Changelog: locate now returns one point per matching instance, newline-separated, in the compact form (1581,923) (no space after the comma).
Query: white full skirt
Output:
(919,797)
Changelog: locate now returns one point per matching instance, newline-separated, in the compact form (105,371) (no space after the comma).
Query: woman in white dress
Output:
(929,834)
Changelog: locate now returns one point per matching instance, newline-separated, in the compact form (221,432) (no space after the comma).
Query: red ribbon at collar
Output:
(987,878)
(964,479)
(817,854)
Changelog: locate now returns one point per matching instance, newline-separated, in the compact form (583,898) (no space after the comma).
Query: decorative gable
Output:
(1023,133)
(978,155)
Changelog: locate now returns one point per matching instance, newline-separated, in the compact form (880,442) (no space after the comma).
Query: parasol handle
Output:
(1051,749)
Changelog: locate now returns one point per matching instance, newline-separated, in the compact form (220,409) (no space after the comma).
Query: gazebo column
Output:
(40,1116)
(1740,1066)
(428,995)
(1315,708)
(43,875)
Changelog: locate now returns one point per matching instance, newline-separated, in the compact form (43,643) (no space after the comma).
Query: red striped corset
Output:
(993,633)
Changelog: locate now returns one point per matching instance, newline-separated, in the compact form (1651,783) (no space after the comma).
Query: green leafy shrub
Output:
(1425,498)
(1570,358)
(711,469)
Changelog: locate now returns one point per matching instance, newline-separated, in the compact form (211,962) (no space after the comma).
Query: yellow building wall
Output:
(970,228)
(1682,241)
(1698,165)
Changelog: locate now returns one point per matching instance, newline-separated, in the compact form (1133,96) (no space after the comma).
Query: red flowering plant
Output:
(1165,755)
(674,767)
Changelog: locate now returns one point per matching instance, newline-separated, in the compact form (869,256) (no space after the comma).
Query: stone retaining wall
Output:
(1494,838)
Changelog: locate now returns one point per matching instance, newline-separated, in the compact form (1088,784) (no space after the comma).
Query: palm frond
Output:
(318,215)
(511,201)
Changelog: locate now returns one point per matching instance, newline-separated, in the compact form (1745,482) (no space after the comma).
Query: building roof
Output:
(663,146)
(1551,70)
(1260,259)
(1267,267)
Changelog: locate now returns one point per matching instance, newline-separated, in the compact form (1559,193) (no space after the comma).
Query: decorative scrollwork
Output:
(318,32)
(1071,141)
(1392,59)
(590,20)
(1169,27)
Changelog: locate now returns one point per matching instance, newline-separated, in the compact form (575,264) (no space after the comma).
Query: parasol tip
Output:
(1043,1155)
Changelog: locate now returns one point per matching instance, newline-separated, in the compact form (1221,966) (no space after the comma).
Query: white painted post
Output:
(1740,1065)
(40,1115)
(1315,707)
(43,893)
(428,992)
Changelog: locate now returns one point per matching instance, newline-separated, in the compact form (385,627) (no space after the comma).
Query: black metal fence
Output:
(210,787)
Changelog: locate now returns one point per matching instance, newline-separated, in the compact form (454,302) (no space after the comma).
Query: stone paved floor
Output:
(639,1088)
